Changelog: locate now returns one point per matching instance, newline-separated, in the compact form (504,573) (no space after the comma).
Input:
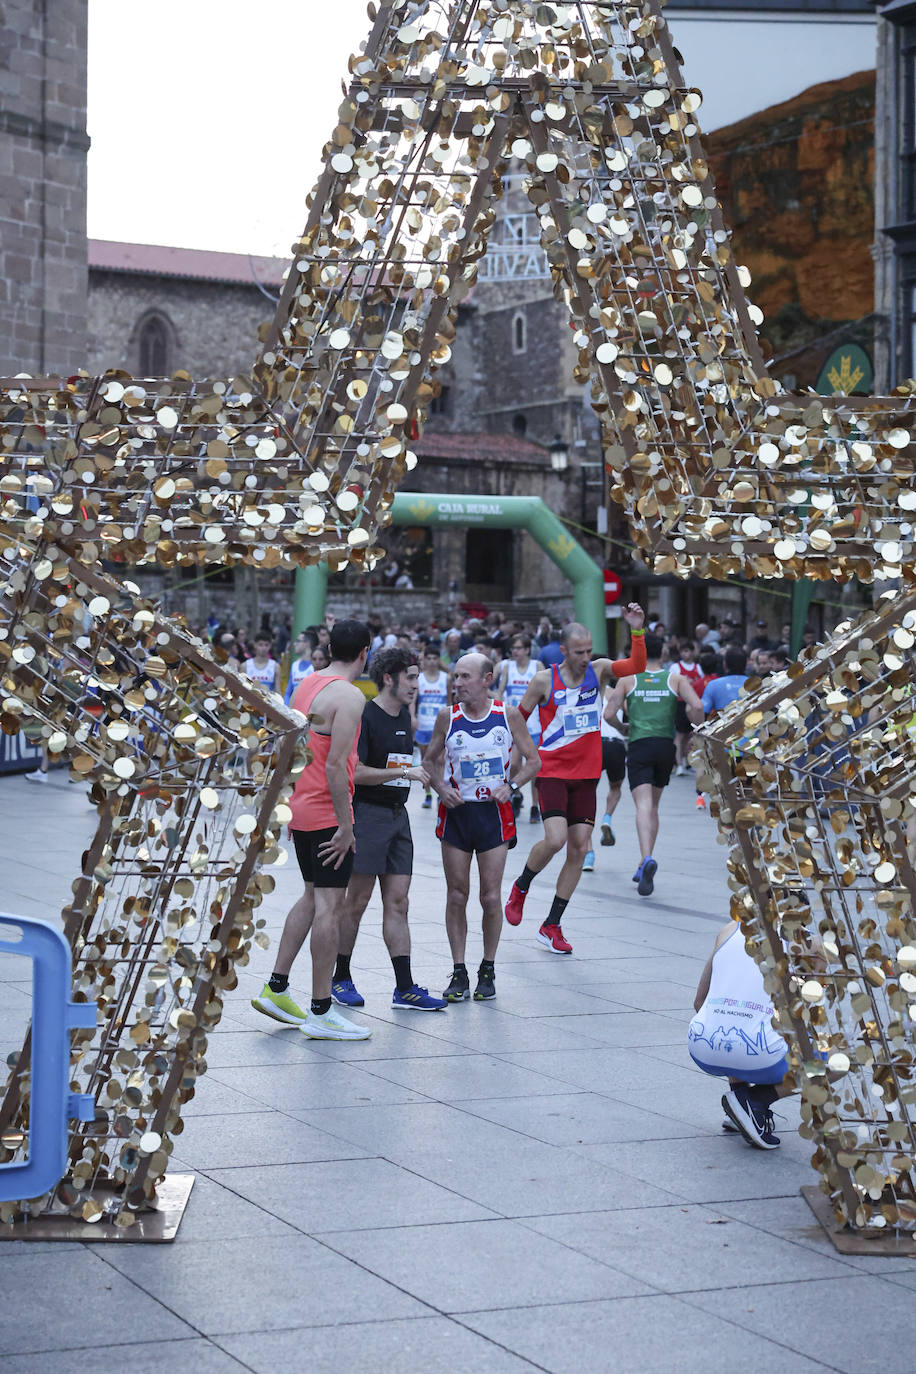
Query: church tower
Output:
(43,145)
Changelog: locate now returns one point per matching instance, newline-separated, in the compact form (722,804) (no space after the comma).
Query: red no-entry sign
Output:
(612,587)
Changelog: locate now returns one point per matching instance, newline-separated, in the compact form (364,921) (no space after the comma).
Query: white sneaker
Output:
(37,776)
(680,771)
(333,1026)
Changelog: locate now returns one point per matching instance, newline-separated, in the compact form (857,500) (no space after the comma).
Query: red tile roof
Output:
(480,448)
(157,260)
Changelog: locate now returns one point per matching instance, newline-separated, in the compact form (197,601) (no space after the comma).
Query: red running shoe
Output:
(515,905)
(553,938)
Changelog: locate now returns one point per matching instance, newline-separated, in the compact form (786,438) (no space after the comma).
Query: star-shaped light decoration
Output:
(717,472)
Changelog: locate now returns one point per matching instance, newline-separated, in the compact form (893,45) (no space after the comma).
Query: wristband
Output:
(637,632)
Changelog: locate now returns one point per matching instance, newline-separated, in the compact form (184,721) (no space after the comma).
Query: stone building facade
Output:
(43,144)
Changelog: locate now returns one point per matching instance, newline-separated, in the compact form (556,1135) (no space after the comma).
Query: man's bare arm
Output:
(530,764)
(365,776)
(615,699)
(695,713)
(434,758)
(536,693)
(706,976)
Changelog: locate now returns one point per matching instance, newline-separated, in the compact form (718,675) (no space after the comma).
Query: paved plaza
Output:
(536,1183)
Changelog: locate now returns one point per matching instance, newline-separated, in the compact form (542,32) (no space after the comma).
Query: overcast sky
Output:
(207,117)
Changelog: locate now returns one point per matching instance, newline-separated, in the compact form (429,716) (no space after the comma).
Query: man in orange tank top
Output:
(570,697)
(322,831)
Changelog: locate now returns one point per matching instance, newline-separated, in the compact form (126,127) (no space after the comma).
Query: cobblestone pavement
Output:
(541,1182)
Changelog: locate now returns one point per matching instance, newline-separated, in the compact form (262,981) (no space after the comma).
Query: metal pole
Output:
(311,593)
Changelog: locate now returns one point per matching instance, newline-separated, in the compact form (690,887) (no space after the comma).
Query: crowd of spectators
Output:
(766,651)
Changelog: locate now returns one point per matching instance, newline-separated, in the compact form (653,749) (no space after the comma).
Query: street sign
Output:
(612,587)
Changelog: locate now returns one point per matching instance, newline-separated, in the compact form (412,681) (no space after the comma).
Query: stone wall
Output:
(43,143)
(211,326)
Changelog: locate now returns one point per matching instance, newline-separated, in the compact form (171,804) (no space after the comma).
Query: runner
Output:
(569,697)
(262,668)
(688,667)
(651,700)
(614,764)
(384,844)
(433,692)
(322,830)
(300,665)
(515,675)
(709,667)
(474,741)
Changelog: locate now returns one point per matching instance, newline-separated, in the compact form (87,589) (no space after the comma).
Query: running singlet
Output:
(311,800)
(692,672)
(732,1033)
(517,680)
(298,672)
(267,675)
(477,752)
(571,729)
(431,697)
(651,705)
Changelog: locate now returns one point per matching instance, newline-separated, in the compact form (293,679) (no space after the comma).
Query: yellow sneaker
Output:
(279,1007)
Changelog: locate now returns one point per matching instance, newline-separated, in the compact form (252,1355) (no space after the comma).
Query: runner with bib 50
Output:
(570,697)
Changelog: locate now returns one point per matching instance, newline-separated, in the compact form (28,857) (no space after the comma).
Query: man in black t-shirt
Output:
(384,844)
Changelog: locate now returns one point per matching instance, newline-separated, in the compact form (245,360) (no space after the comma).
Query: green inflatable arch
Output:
(489,512)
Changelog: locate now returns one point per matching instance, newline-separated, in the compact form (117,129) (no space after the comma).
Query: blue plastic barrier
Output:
(51,1103)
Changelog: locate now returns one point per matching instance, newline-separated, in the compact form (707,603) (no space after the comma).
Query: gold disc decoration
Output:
(813,779)
(191,767)
(718,471)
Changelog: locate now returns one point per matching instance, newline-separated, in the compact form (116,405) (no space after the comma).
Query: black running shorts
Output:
(650,760)
(681,723)
(614,760)
(384,843)
(313,871)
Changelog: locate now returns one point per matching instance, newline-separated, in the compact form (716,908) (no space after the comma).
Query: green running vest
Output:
(651,706)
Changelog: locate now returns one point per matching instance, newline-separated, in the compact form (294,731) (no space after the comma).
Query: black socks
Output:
(278,982)
(527,878)
(402,974)
(342,971)
(321,1006)
(487,968)
(557,907)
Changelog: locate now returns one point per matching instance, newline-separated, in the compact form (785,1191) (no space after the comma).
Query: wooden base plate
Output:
(849,1242)
(158,1225)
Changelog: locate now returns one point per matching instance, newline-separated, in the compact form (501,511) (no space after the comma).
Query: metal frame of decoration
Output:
(813,777)
(718,472)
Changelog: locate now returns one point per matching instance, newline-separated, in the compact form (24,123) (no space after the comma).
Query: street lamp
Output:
(559,454)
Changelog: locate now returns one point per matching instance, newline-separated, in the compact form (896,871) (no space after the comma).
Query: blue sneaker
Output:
(417,999)
(426,803)
(344,993)
(588,864)
(607,831)
(648,869)
(638,874)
